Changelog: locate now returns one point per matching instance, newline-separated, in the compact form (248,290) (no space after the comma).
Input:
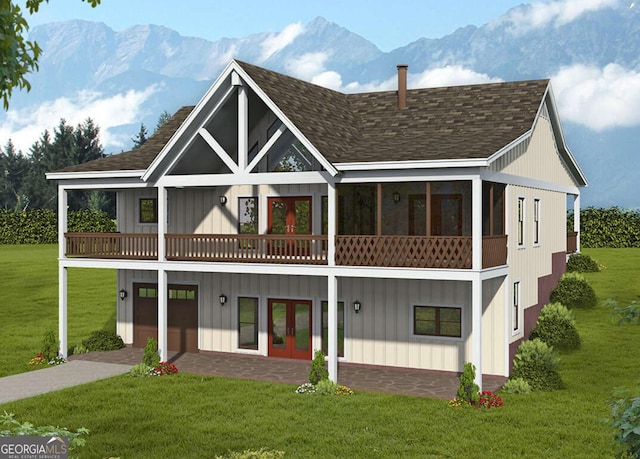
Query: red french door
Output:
(289,216)
(290,329)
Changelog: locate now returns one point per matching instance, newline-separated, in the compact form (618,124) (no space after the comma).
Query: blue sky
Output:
(388,25)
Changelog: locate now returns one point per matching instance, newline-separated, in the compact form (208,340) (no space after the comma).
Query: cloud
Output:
(599,98)
(278,41)
(25,126)
(556,13)
(307,66)
(450,75)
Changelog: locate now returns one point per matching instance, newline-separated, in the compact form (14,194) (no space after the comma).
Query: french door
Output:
(290,328)
(289,216)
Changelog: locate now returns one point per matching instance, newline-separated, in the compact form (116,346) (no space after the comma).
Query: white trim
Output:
(262,178)
(243,126)
(504,150)
(413,336)
(265,149)
(89,175)
(218,150)
(500,177)
(409,175)
(235,317)
(537,211)
(417,164)
(506,325)
(521,213)
(476,328)
(516,331)
(62,311)
(103,184)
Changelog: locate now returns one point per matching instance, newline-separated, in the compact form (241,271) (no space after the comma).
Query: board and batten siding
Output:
(379,335)
(198,210)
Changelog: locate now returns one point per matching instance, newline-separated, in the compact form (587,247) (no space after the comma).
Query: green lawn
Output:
(195,416)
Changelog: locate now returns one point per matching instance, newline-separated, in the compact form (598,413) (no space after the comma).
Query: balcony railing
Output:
(249,248)
(572,241)
(446,252)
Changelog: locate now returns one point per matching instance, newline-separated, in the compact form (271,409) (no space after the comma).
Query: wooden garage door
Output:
(182,316)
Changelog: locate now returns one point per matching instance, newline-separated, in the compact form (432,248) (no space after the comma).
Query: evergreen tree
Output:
(14,167)
(140,138)
(163,118)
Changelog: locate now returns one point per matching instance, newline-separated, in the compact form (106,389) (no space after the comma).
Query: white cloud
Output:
(307,66)
(24,127)
(450,75)
(278,41)
(599,98)
(557,13)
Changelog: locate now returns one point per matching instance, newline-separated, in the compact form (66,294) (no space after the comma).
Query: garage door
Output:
(182,316)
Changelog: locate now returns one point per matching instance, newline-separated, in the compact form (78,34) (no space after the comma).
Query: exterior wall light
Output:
(223,299)
(223,200)
(123,294)
(396,197)
(356,306)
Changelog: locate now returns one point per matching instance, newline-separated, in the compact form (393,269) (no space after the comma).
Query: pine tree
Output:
(140,138)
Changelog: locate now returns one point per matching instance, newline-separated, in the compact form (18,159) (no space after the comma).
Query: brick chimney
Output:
(402,86)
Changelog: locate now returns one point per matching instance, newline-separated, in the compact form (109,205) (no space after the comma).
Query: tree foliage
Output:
(19,55)
(141,137)
(610,227)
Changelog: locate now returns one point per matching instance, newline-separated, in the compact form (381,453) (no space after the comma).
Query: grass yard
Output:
(29,304)
(195,416)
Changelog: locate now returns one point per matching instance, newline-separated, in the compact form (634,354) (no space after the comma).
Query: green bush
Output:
(608,227)
(581,263)
(537,364)
(141,370)
(516,386)
(262,453)
(151,357)
(326,387)
(77,349)
(49,346)
(318,371)
(625,422)
(11,427)
(468,390)
(556,326)
(102,340)
(90,221)
(574,292)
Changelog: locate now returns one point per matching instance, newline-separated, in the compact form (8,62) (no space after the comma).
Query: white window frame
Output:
(319,328)
(516,308)
(521,222)
(536,222)
(236,318)
(436,337)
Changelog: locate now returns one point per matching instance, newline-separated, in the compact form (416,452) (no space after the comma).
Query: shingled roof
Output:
(458,122)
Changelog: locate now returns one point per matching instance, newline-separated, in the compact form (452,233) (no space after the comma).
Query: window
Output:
(182,294)
(325,328)
(248,215)
(148,210)
(248,323)
(147,292)
(437,321)
(520,221)
(516,306)
(536,221)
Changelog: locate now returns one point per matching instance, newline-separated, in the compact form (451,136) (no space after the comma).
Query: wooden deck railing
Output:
(448,252)
(249,248)
(572,241)
(112,245)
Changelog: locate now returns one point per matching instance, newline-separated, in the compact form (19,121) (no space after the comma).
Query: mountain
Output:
(135,74)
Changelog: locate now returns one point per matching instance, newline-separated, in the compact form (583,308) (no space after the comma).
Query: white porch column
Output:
(576,219)
(163,295)
(476,327)
(476,223)
(332,223)
(62,221)
(162,222)
(332,348)
(243,128)
(62,310)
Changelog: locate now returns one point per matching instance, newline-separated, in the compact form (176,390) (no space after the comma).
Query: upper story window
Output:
(515,316)
(248,215)
(148,210)
(536,221)
(521,211)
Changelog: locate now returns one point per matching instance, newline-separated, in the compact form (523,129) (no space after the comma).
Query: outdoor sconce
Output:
(123,294)
(223,200)
(223,299)
(396,197)
(356,306)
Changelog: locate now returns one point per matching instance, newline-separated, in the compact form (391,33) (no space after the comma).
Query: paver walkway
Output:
(70,374)
(393,380)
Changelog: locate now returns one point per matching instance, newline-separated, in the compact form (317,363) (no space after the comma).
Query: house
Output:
(413,228)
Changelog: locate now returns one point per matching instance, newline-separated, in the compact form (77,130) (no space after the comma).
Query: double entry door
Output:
(290,328)
(289,216)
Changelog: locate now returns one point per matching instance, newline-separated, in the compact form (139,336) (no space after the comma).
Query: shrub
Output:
(608,227)
(151,357)
(468,389)
(103,340)
(141,370)
(326,387)
(165,369)
(90,221)
(556,326)
(77,349)
(537,364)
(626,314)
(49,346)
(318,371)
(516,386)
(262,453)
(10,427)
(306,388)
(488,399)
(625,421)
(581,263)
(574,292)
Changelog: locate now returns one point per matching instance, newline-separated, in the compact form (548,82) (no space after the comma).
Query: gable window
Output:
(325,328)
(437,321)
(248,323)
(148,210)
(536,221)
(520,221)
(516,307)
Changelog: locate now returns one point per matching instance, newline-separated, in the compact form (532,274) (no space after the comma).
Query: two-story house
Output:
(413,228)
